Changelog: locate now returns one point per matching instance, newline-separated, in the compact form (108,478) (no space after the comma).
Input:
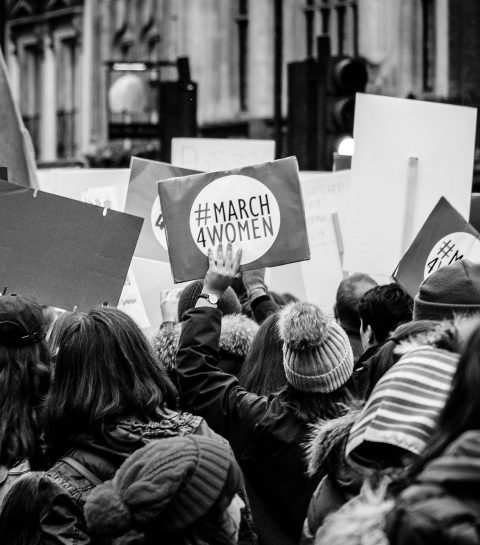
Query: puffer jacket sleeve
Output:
(205,390)
(61,519)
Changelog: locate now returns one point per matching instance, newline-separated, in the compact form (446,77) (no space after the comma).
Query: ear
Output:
(367,335)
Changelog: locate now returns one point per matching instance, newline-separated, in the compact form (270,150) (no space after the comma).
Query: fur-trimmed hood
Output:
(236,337)
(325,448)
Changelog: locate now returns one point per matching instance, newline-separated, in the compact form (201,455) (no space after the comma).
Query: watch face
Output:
(213,299)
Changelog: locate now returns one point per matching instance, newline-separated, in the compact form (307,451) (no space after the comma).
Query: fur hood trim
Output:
(444,336)
(236,337)
(360,521)
(326,437)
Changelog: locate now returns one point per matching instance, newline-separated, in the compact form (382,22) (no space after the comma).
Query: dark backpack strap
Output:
(80,468)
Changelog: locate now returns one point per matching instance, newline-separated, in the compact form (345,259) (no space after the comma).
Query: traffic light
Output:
(345,77)
(321,105)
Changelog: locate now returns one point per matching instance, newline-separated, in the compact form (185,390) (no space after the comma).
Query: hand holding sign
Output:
(169,304)
(221,271)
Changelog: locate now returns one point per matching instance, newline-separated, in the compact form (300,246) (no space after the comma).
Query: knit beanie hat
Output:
(402,411)
(227,304)
(171,483)
(317,355)
(451,289)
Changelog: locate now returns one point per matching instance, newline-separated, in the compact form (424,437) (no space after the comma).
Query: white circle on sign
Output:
(452,248)
(158,225)
(237,209)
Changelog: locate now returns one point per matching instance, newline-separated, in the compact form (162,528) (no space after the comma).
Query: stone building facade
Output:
(56,51)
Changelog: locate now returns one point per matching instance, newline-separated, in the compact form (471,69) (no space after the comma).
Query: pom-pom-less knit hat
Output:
(453,289)
(227,304)
(317,355)
(170,483)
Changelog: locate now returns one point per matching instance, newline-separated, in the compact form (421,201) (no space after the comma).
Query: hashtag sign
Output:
(202,215)
(446,249)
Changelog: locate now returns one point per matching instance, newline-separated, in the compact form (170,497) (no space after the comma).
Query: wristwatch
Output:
(212,299)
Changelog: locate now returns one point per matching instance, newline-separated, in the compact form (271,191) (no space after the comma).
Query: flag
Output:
(16,149)
(445,237)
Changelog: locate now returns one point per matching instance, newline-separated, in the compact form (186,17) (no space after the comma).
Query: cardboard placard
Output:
(143,201)
(105,187)
(445,237)
(408,154)
(258,208)
(212,154)
(131,301)
(63,252)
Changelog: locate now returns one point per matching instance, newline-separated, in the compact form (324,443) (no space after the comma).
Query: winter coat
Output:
(236,337)
(265,435)
(8,476)
(326,453)
(442,506)
(66,485)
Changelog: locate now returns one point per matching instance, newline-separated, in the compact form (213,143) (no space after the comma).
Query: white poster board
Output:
(214,154)
(131,302)
(390,200)
(105,187)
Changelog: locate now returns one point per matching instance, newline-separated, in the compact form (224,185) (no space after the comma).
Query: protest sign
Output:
(63,252)
(257,208)
(105,187)
(131,301)
(445,238)
(408,154)
(16,148)
(212,154)
(143,201)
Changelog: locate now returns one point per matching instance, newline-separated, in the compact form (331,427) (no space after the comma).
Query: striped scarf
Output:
(404,405)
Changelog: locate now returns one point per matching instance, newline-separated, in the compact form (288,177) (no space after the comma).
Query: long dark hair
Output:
(105,369)
(20,513)
(262,371)
(24,378)
(462,408)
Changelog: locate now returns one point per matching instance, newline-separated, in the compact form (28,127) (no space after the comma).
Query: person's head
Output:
(262,371)
(104,370)
(24,377)
(461,412)
(227,304)
(381,310)
(20,512)
(402,411)
(389,354)
(317,359)
(178,490)
(450,291)
(349,293)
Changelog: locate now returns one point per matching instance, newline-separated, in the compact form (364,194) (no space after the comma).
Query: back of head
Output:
(402,411)
(451,290)
(262,371)
(21,510)
(317,356)
(383,308)
(349,293)
(168,489)
(24,377)
(227,304)
(105,369)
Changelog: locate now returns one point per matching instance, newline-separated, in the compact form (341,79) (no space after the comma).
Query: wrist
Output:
(257,292)
(211,291)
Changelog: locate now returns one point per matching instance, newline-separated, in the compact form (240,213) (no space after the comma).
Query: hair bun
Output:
(105,512)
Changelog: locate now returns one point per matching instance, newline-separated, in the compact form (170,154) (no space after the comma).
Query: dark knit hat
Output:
(453,289)
(170,483)
(317,355)
(21,320)
(227,304)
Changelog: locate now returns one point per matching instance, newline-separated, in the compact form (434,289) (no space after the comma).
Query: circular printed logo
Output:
(451,248)
(237,209)
(158,224)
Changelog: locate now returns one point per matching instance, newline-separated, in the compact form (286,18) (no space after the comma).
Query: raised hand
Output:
(221,270)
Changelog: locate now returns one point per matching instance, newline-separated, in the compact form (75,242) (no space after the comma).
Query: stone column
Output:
(48,120)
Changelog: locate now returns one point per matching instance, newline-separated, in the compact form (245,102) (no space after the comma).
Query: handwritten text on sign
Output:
(237,209)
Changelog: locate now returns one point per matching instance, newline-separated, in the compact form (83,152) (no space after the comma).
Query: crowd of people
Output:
(250,418)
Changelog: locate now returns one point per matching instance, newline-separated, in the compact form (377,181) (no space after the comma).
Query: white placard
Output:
(214,154)
(131,302)
(388,133)
(101,186)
